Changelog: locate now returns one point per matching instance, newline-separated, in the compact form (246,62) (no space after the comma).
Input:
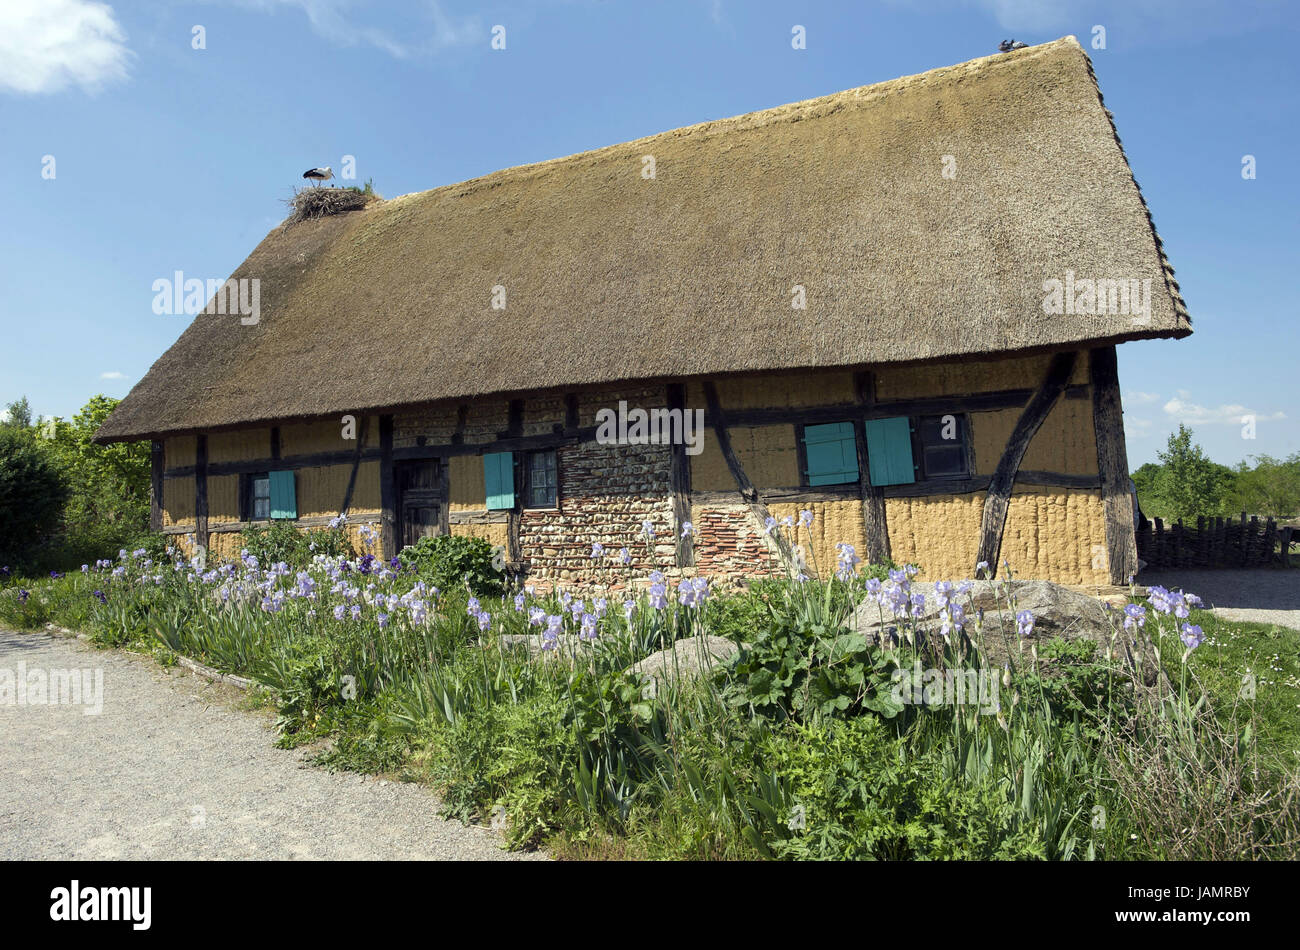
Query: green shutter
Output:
(284,501)
(831,452)
(499,479)
(889,451)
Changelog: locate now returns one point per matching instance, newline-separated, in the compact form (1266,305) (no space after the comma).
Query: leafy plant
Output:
(455,561)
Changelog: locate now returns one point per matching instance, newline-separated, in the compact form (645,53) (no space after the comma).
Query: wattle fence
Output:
(1216,542)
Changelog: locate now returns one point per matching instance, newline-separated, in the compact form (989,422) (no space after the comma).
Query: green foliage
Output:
(805,662)
(105,505)
(856,790)
(1077,685)
(1185,484)
(32,493)
(455,561)
(1270,489)
(814,757)
(19,414)
(1190,484)
(282,542)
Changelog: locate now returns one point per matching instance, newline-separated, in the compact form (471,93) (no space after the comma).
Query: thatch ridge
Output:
(611,278)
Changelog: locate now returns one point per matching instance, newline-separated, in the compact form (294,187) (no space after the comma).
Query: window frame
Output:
(919,446)
(526,494)
(248,497)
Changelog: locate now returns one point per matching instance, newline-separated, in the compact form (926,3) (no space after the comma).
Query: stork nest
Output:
(320,202)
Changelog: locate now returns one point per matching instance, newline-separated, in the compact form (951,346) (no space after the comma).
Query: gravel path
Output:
(1257,595)
(170,769)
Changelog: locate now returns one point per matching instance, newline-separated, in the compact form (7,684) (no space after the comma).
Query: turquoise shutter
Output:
(284,501)
(499,479)
(889,451)
(831,452)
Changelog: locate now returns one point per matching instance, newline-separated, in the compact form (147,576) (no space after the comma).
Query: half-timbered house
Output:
(895,306)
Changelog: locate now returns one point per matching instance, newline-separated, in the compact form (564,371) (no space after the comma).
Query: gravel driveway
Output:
(1257,595)
(171,769)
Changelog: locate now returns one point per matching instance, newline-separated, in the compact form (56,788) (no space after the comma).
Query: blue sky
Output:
(167,157)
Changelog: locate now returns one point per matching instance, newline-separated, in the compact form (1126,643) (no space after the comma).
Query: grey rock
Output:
(1058,612)
(686,659)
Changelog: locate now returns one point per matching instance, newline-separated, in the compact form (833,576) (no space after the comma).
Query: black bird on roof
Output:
(1006,46)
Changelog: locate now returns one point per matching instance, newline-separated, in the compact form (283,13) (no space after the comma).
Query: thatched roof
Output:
(610,276)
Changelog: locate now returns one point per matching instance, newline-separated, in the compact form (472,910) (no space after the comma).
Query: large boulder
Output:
(686,659)
(991,609)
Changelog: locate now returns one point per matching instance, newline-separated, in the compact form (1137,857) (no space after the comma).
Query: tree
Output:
(109,483)
(19,414)
(1271,488)
(32,492)
(1147,481)
(1189,484)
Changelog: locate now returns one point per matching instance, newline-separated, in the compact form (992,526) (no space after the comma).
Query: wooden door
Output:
(419,500)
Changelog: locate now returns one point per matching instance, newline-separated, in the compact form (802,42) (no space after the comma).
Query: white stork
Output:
(318,174)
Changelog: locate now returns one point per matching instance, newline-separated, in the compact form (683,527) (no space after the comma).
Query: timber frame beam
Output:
(1112,464)
(876,528)
(998,498)
(743,485)
(201,492)
(387,490)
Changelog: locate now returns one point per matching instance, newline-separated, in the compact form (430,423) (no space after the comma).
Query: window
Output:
(257,497)
(830,454)
(542,480)
(942,446)
(269,495)
(903,450)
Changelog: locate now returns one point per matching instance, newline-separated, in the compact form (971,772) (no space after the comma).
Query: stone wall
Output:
(606,493)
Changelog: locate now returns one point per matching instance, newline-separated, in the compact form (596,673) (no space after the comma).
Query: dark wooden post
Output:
(873,496)
(387,490)
(679,478)
(356,463)
(1112,464)
(201,491)
(156,486)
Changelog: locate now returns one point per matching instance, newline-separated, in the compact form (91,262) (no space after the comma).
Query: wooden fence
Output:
(1216,542)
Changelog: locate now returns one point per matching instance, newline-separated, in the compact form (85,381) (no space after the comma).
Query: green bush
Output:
(32,494)
(454,561)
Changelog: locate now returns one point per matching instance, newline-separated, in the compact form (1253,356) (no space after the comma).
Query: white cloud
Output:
(1181,409)
(112,374)
(1139,398)
(47,45)
(330,20)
